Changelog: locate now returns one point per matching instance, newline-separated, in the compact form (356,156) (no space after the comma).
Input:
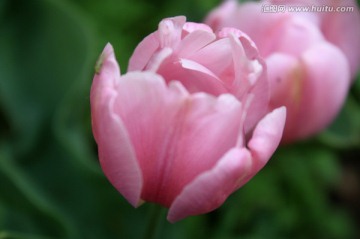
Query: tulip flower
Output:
(159,142)
(308,73)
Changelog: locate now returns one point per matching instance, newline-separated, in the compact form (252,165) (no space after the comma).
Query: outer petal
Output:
(210,189)
(172,131)
(295,30)
(316,82)
(286,78)
(107,73)
(325,86)
(116,153)
(207,129)
(203,124)
(148,109)
(266,137)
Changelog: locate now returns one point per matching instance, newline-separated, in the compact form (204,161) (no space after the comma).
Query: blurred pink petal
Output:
(325,87)
(343,30)
(312,93)
(340,25)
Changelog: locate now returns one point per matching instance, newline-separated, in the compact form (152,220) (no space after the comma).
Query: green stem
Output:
(155,223)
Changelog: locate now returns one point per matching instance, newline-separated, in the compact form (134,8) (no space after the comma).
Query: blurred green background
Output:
(51,185)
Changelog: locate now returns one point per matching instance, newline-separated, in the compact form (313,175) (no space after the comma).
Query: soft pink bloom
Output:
(339,22)
(308,72)
(204,61)
(160,143)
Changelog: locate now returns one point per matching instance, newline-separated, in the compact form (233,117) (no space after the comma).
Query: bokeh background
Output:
(51,185)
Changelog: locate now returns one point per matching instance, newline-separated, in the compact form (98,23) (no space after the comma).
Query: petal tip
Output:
(108,50)
(267,135)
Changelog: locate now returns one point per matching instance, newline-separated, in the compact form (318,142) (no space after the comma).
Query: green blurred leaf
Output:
(43,49)
(16,235)
(344,132)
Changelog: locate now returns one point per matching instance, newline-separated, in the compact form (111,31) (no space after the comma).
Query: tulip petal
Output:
(250,78)
(143,52)
(210,189)
(158,58)
(266,137)
(117,156)
(232,14)
(107,73)
(343,30)
(116,153)
(171,131)
(192,65)
(220,16)
(170,30)
(194,41)
(194,76)
(286,86)
(298,30)
(325,86)
(168,35)
(190,27)
(203,123)
(148,109)
(221,49)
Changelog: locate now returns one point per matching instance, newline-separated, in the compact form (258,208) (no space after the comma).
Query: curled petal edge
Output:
(210,189)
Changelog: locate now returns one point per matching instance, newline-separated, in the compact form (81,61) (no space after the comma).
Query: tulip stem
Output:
(155,223)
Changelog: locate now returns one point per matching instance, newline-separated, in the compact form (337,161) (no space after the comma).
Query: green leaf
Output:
(344,132)
(43,51)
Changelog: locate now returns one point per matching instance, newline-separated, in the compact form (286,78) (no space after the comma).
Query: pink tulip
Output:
(307,73)
(225,62)
(339,22)
(160,143)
